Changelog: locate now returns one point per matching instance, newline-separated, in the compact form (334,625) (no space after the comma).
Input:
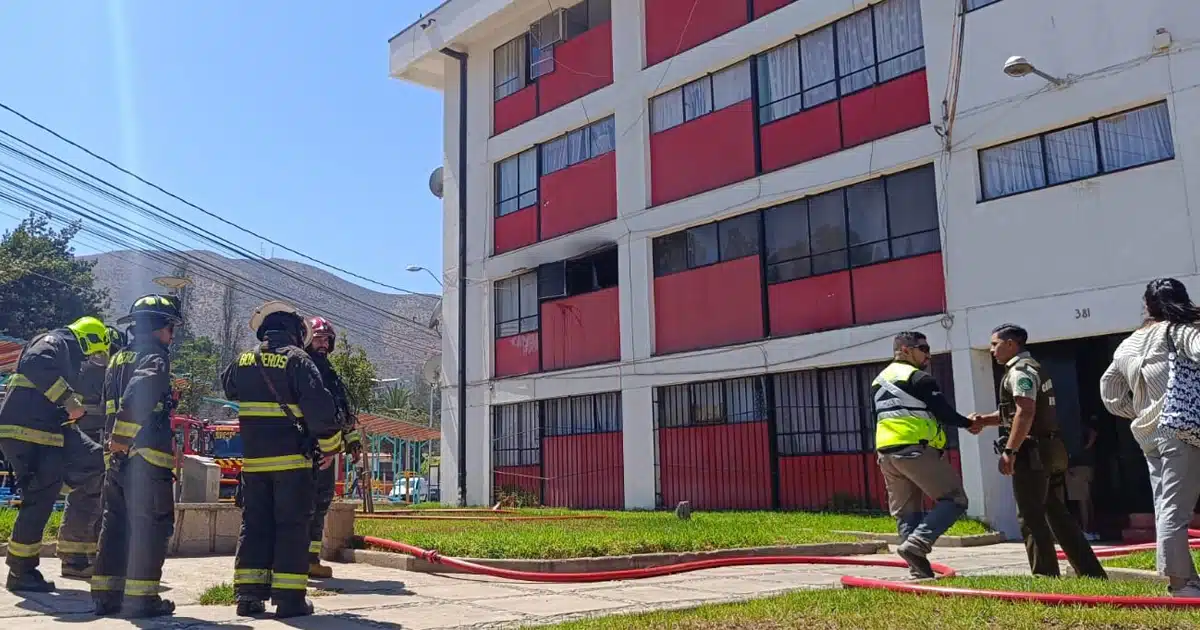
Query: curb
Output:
(393,560)
(979,540)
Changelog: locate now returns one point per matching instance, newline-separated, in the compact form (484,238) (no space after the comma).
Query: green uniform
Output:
(1039,474)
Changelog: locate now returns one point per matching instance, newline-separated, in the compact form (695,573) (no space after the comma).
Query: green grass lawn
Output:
(853,609)
(8,516)
(1142,560)
(629,533)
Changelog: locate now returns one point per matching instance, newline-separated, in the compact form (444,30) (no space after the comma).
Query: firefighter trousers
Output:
(139,518)
(272,552)
(39,473)
(84,480)
(324,482)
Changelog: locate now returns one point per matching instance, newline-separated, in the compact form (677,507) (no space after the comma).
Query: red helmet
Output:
(320,327)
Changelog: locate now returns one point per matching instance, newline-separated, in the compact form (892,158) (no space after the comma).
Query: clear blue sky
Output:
(276,114)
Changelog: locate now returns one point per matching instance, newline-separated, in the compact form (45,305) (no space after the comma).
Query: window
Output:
(825,411)
(733,238)
(1126,140)
(702,96)
(971,5)
(516,183)
(578,415)
(715,402)
(516,440)
(578,146)
(516,305)
(873,221)
(560,26)
(509,68)
(574,277)
(873,45)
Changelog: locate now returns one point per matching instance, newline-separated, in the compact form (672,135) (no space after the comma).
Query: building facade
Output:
(694,226)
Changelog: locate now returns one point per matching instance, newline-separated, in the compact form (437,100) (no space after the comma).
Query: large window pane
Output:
(697,98)
(1071,154)
(507,182)
(1137,137)
(731,85)
(744,400)
(666,111)
(898,37)
(916,244)
(819,64)
(827,222)
(509,68)
(604,136)
(529,301)
(868,212)
(779,82)
(786,229)
(507,298)
(912,202)
(1012,168)
(554,155)
(702,247)
(670,253)
(856,51)
(579,146)
(739,236)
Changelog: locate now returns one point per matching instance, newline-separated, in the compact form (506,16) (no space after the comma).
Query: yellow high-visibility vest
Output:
(902,419)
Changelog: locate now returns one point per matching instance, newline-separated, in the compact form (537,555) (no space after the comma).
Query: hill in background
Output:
(397,348)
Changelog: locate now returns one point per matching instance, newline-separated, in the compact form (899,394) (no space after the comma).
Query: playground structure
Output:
(397,458)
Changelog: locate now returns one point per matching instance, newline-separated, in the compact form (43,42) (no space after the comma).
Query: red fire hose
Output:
(941,570)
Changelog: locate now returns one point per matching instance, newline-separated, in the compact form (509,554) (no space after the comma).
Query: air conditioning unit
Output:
(549,30)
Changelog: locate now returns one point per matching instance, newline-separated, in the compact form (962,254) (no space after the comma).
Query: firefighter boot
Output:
(77,571)
(29,581)
(151,607)
(249,607)
(107,605)
(318,570)
(290,607)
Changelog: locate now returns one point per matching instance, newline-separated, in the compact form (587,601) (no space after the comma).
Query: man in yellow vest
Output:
(910,439)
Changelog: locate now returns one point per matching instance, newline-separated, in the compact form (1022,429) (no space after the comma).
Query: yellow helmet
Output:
(92,335)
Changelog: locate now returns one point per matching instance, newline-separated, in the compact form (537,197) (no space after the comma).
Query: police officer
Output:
(43,397)
(324,338)
(1033,453)
(286,417)
(84,470)
(139,502)
(910,439)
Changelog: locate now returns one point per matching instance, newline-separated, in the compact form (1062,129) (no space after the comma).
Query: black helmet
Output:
(158,311)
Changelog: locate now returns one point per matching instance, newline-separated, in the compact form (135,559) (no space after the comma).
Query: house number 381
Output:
(1083,313)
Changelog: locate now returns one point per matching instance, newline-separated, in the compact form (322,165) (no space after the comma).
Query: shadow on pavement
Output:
(69,605)
(346,586)
(336,621)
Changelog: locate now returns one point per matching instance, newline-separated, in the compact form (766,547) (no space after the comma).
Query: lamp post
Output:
(1018,66)
(416,268)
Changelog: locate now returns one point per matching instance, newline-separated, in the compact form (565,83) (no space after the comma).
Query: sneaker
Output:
(918,563)
(318,570)
(30,581)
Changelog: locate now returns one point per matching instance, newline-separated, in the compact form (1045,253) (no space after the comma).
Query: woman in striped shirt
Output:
(1133,387)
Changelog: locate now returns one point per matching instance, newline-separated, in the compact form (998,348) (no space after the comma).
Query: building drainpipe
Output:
(461,58)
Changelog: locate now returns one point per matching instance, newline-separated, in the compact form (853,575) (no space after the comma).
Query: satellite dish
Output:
(435,182)
(432,370)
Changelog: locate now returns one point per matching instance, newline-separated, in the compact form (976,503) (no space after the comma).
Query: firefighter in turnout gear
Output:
(42,399)
(84,470)
(139,501)
(324,338)
(287,421)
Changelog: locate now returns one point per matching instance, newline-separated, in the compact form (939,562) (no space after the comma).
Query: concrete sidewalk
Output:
(370,597)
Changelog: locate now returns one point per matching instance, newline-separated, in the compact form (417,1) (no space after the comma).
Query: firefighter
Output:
(42,398)
(139,502)
(84,470)
(286,417)
(324,338)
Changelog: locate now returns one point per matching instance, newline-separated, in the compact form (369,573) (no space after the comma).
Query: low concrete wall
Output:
(200,480)
(205,529)
(945,541)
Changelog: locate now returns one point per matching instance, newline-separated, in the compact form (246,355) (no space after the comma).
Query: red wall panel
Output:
(673,26)
(515,230)
(706,153)
(584,471)
(811,304)
(711,306)
(582,65)
(883,110)
(801,137)
(527,478)
(579,196)
(763,7)
(517,355)
(722,467)
(514,109)
(581,330)
(823,482)
(898,289)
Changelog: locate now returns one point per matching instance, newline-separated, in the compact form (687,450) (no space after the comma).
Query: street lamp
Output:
(416,268)
(1018,66)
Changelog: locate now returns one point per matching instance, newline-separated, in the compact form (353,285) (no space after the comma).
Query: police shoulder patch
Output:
(1025,383)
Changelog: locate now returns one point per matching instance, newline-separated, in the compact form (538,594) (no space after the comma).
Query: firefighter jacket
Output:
(344,414)
(43,386)
(91,389)
(273,439)
(137,401)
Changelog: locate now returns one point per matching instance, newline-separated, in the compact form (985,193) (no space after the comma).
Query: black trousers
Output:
(39,473)
(1040,487)
(84,478)
(138,521)
(324,482)
(272,553)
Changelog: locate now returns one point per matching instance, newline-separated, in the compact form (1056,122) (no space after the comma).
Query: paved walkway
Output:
(369,597)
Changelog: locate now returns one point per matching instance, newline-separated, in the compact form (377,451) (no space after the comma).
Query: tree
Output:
(196,364)
(357,372)
(42,284)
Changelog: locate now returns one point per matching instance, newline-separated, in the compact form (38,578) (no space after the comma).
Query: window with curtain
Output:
(707,244)
(516,302)
(1126,140)
(509,68)
(516,435)
(516,182)
(703,96)
(578,146)
(779,84)
(899,43)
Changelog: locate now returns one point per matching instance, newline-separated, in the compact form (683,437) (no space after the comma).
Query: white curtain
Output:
(578,146)
(508,306)
(604,136)
(898,38)
(856,51)
(818,61)
(528,178)
(666,111)
(779,82)
(1136,137)
(508,182)
(697,98)
(1071,154)
(509,68)
(731,85)
(529,301)
(1012,168)
(554,155)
